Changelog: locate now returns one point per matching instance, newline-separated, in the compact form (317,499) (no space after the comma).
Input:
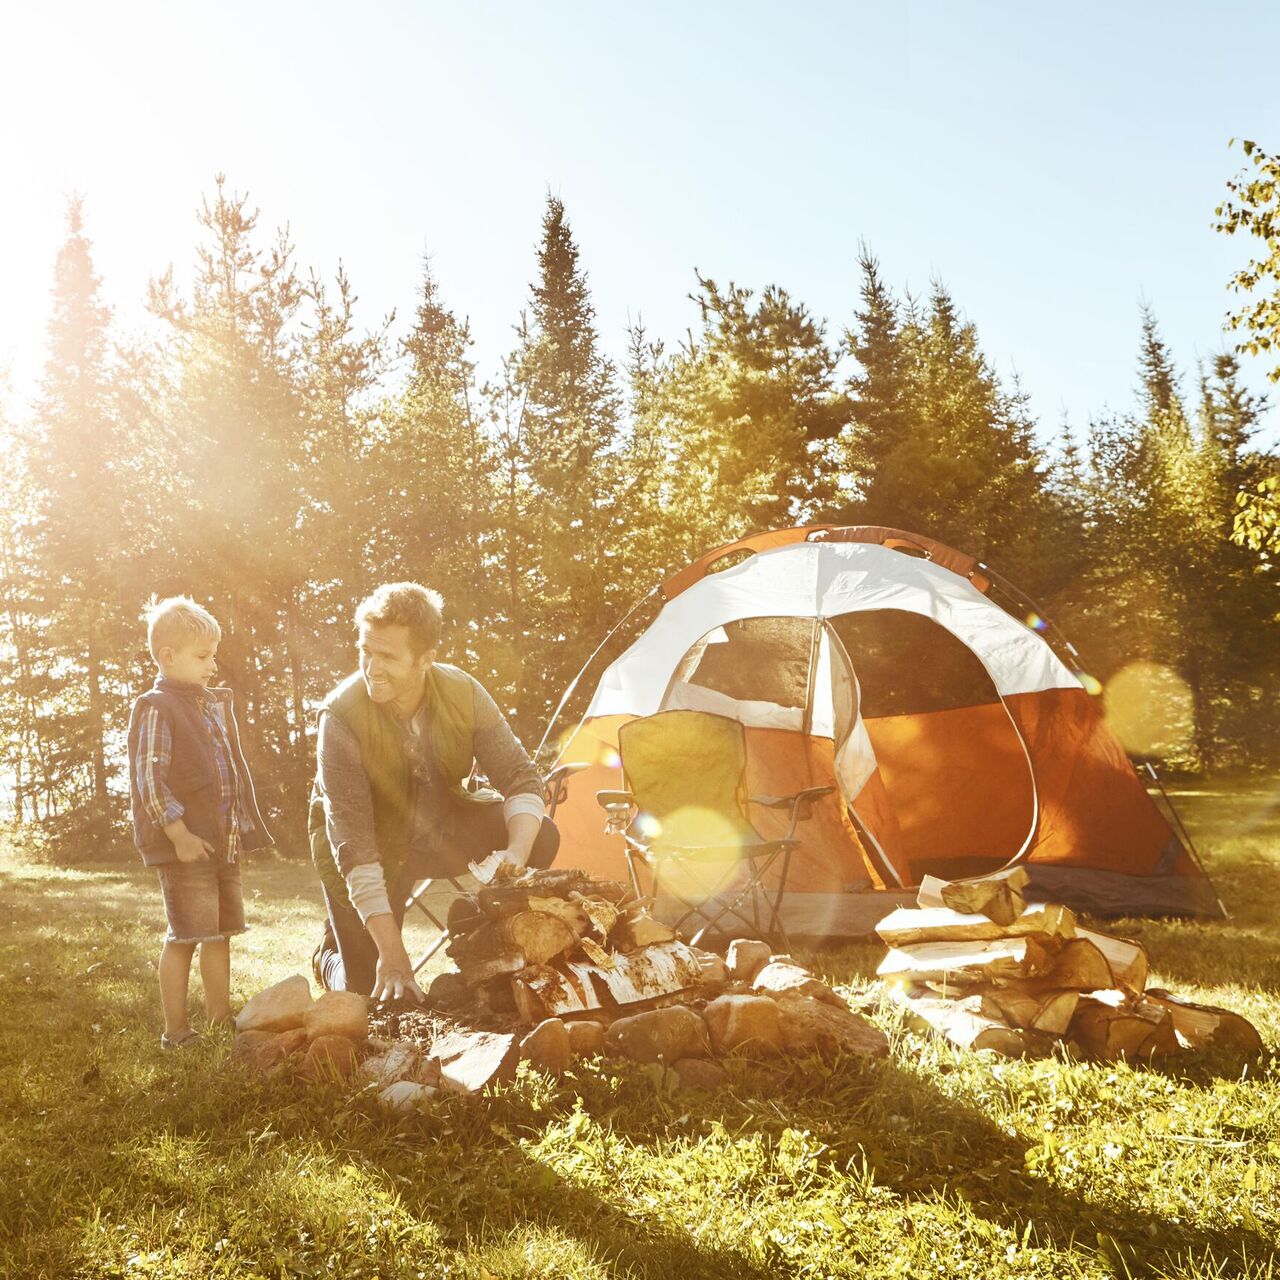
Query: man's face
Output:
(195,662)
(390,669)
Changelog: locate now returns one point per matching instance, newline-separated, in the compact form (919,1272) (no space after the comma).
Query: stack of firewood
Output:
(978,964)
(556,942)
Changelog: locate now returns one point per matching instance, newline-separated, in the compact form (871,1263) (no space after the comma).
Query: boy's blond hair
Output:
(177,621)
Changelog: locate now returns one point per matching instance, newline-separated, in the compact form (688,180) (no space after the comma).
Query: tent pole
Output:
(1186,837)
(573,684)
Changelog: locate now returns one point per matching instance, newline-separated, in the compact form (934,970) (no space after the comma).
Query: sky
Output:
(1055,166)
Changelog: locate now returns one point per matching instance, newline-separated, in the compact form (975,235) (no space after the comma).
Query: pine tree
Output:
(78,468)
(936,444)
(240,425)
(559,410)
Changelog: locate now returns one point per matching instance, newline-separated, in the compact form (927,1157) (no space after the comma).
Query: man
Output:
(398,740)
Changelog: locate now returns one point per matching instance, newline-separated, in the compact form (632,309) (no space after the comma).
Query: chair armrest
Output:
(555,790)
(611,799)
(807,796)
(565,771)
(799,804)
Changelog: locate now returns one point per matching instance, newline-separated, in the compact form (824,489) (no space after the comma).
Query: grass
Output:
(118,1161)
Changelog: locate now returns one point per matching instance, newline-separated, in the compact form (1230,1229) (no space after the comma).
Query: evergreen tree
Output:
(936,444)
(558,409)
(240,426)
(78,468)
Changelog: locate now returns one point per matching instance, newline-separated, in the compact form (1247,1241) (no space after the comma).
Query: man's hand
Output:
(393,979)
(186,844)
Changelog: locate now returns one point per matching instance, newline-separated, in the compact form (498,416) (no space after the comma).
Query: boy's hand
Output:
(190,847)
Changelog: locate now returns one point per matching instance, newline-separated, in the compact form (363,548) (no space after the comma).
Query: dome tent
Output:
(877,661)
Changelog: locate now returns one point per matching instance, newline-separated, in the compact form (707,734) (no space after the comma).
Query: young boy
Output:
(194,810)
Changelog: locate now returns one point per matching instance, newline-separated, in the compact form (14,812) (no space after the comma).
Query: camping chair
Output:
(685,773)
(554,792)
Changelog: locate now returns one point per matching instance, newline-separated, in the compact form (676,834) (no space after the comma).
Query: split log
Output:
(1113,1024)
(600,914)
(638,929)
(963,1023)
(1081,966)
(510,944)
(1128,960)
(909,925)
(1205,1026)
(970,961)
(1023,1005)
(998,896)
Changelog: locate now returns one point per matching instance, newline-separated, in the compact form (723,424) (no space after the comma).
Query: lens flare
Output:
(1150,708)
(1036,622)
(610,758)
(648,826)
(696,879)
(1091,683)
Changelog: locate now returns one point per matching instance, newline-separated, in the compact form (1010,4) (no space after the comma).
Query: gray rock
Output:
(811,1026)
(280,1007)
(405,1097)
(548,1047)
(746,957)
(330,1058)
(699,1073)
(338,1013)
(398,1062)
(747,1023)
(664,1035)
(586,1039)
(783,975)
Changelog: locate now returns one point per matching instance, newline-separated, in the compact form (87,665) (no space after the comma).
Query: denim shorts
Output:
(203,900)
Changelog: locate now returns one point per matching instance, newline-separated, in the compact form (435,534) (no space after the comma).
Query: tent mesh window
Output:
(909,665)
(758,659)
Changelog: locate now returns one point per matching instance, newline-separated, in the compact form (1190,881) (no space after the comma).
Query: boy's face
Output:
(392,672)
(195,662)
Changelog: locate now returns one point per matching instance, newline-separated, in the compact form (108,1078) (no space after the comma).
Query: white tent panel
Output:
(825,580)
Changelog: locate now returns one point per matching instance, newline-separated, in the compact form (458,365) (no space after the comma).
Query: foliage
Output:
(935,1162)
(1162,582)
(1255,209)
(936,443)
(269,455)
(1257,522)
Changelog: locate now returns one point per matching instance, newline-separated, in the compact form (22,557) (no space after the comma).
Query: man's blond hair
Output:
(406,604)
(177,621)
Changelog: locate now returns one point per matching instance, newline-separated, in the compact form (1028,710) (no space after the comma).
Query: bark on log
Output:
(1205,1026)
(571,986)
(1024,1005)
(1112,1024)
(908,925)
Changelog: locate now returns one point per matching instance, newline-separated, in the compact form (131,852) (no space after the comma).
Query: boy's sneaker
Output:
(179,1041)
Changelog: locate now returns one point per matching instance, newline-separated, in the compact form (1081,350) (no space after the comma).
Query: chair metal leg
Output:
(415,899)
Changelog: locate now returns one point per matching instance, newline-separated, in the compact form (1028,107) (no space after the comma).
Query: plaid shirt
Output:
(155,752)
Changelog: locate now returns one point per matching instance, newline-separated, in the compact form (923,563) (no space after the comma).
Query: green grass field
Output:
(116,1160)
